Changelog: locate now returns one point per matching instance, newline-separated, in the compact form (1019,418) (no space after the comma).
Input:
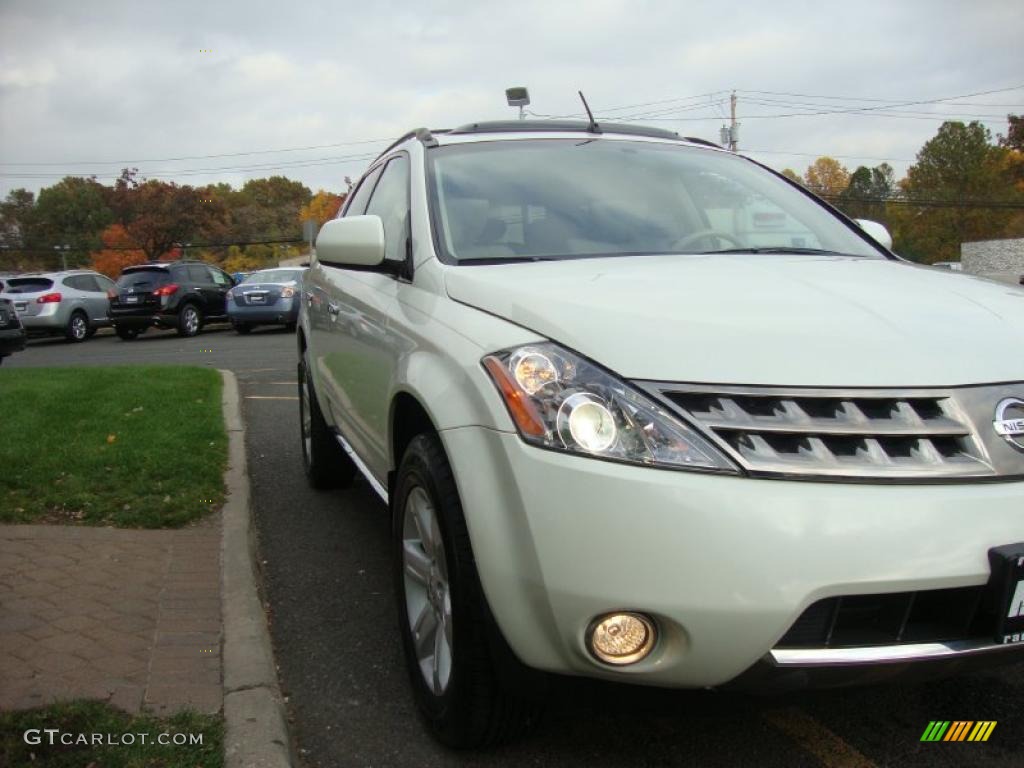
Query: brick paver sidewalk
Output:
(130,617)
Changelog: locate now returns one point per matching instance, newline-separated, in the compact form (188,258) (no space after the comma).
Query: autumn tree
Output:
(826,177)
(1014,138)
(792,175)
(72,212)
(322,208)
(956,169)
(267,209)
(866,193)
(160,216)
(117,253)
(16,218)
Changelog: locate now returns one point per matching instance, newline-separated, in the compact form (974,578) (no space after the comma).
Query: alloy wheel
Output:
(191,320)
(428,601)
(78,327)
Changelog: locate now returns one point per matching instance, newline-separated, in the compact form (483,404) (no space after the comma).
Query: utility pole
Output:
(733,133)
(730,134)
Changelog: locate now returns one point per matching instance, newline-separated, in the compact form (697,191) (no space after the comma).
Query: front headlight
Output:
(560,401)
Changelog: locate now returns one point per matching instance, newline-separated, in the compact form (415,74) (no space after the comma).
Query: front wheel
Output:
(454,652)
(326,464)
(190,320)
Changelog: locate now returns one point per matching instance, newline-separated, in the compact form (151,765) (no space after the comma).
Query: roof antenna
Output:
(593,127)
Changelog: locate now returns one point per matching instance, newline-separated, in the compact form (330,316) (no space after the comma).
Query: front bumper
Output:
(724,564)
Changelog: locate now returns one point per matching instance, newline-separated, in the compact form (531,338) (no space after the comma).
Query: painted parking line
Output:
(271,397)
(830,749)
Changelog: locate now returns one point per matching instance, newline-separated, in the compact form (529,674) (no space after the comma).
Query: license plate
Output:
(21,306)
(257,299)
(131,299)
(1008,581)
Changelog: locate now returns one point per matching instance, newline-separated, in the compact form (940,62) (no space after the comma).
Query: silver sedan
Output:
(267,297)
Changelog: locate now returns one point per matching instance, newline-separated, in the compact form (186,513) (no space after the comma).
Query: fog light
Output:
(621,638)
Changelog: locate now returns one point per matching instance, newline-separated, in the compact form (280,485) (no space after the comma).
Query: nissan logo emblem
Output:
(1010,421)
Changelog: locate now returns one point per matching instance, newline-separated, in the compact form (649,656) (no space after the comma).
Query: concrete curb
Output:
(254,714)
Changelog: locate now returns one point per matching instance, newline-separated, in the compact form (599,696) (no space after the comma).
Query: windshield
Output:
(567,198)
(275,276)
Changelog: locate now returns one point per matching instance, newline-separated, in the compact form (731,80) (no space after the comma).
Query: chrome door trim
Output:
(361,466)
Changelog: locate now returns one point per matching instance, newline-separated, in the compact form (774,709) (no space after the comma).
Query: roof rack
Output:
(426,135)
(566,126)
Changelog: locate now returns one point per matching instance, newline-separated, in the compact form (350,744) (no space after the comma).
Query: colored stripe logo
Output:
(958,730)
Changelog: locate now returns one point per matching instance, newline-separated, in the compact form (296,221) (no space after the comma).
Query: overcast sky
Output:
(89,87)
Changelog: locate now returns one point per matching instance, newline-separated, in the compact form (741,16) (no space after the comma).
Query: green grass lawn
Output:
(93,717)
(134,447)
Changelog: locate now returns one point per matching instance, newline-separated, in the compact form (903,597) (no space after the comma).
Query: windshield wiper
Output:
(783,249)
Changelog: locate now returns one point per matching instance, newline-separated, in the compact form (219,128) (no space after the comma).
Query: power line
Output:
(865,98)
(206,157)
(307,163)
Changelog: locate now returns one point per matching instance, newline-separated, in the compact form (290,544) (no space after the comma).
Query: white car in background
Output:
(626,432)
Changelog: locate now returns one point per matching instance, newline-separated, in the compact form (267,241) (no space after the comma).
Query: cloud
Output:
(118,80)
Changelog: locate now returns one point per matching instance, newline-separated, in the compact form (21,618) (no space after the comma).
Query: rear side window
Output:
(82,283)
(143,279)
(28,284)
(219,278)
(198,274)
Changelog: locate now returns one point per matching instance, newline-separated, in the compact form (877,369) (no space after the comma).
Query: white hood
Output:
(763,319)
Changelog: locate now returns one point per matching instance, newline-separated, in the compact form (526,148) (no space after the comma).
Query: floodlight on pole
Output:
(518,97)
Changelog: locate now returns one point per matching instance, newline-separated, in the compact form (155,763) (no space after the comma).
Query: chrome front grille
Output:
(859,434)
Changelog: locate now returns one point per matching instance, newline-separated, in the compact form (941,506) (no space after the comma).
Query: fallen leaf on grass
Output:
(111,438)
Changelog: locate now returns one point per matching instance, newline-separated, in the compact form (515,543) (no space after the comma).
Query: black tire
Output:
(326,464)
(91,332)
(190,320)
(480,705)
(126,333)
(241,328)
(77,329)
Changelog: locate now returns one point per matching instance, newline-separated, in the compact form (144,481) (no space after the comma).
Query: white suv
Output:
(646,411)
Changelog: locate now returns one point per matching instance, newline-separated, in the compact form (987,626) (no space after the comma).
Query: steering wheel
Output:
(687,240)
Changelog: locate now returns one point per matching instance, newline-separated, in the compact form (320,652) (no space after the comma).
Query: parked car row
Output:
(179,295)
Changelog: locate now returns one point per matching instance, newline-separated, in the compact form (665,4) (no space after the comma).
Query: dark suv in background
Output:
(12,335)
(183,295)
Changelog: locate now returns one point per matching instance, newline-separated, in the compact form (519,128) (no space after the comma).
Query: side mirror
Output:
(355,241)
(877,231)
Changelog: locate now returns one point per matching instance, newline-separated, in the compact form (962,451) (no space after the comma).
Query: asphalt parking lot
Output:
(324,558)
